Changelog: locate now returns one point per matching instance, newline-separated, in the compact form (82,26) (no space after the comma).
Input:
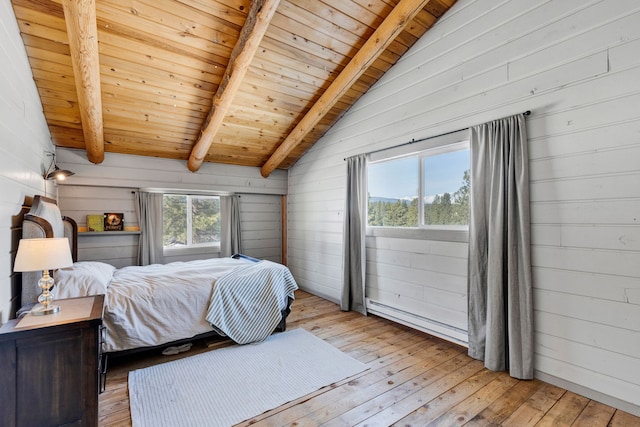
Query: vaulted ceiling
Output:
(253,83)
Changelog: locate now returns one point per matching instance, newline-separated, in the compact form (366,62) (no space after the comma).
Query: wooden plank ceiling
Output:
(226,81)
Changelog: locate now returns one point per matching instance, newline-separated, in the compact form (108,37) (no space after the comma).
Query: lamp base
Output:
(41,310)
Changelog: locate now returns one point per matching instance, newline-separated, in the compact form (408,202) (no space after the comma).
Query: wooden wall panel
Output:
(24,138)
(79,201)
(575,65)
(108,188)
(261,225)
(117,250)
(131,172)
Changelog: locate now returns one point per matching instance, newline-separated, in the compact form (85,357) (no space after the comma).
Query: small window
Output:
(439,177)
(190,221)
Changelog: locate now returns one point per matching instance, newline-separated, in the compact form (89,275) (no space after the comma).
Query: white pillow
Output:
(82,279)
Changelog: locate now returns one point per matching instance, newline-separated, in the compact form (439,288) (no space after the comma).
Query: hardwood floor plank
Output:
(116,419)
(474,404)
(320,321)
(501,408)
(429,412)
(531,411)
(382,348)
(395,380)
(624,419)
(412,379)
(565,411)
(595,414)
(375,381)
(362,333)
(390,407)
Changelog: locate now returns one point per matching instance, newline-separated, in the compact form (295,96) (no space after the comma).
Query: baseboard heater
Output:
(415,321)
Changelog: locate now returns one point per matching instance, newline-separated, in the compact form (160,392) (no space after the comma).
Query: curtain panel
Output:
(355,221)
(230,235)
(149,211)
(499,275)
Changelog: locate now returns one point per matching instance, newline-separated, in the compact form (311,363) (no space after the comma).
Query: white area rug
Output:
(229,385)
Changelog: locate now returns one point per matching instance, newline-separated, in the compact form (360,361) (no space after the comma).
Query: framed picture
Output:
(95,222)
(113,221)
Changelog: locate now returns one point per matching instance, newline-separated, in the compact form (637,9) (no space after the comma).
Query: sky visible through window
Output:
(398,179)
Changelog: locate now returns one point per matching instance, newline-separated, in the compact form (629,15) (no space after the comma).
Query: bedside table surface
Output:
(71,310)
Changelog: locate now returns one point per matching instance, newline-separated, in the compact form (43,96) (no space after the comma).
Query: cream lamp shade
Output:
(43,254)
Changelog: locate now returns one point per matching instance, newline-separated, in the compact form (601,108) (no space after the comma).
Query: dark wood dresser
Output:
(49,366)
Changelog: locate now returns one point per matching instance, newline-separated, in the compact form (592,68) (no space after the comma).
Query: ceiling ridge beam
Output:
(384,35)
(256,24)
(82,31)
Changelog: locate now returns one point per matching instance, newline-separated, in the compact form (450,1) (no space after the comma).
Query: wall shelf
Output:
(106,233)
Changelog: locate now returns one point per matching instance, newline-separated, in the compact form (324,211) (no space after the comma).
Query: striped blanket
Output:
(246,304)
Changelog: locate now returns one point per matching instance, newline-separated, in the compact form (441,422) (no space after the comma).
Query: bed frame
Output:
(45,220)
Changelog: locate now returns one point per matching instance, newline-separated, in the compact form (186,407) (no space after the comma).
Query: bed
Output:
(160,305)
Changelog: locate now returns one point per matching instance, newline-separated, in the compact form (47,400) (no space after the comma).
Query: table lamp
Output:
(43,254)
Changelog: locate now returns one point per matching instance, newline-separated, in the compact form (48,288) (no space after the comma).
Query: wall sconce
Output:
(59,174)
(43,254)
(54,172)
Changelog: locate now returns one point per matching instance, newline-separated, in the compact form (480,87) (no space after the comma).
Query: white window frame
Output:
(429,147)
(191,248)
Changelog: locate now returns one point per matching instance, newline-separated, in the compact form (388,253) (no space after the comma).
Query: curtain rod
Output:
(218,193)
(413,141)
(189,192)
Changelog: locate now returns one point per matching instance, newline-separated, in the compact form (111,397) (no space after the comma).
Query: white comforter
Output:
(150,305)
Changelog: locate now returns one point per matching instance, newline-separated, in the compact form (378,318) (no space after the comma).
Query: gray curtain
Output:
(149,211)
(230,237)
(353,291)
(499,281)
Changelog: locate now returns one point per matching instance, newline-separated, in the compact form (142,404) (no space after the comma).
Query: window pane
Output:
(174,220)
(446,188)
(205,220)
(393,193)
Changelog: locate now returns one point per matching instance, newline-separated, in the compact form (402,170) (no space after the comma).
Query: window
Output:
(437,176)
(190,221)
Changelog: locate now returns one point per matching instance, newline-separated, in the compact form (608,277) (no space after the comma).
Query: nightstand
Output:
(49,366)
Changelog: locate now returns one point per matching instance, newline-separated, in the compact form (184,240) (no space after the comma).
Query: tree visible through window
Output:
(393,192)
(395,189)
(450,171)
(190,220)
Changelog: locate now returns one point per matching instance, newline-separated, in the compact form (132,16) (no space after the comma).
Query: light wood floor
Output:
(414,379)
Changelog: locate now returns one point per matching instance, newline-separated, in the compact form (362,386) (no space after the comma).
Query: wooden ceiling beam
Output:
(388,30)
(82,31)
(255,27)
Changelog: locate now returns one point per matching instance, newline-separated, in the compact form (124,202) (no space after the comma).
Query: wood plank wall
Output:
(576,65)
(79,201)
(259,218)
(108,188)
(24,138)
